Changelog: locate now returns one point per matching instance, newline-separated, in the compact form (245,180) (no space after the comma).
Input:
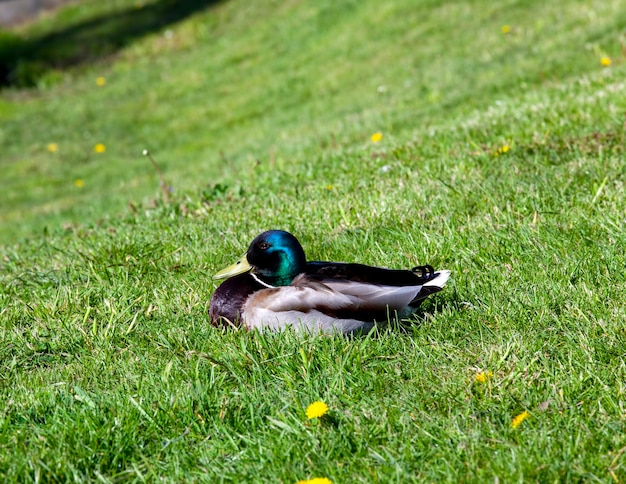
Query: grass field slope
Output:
(482,137)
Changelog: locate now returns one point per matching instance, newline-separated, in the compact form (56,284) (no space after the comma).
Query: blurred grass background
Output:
(211,88)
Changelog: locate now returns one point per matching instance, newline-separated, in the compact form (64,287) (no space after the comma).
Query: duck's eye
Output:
(264,245)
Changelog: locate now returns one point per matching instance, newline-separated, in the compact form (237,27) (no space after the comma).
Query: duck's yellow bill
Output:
(239,267)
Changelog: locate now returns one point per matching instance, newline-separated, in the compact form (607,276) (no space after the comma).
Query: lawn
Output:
(500,156)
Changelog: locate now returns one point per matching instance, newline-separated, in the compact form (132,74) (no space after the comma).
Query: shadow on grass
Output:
(428,309)
(24,61)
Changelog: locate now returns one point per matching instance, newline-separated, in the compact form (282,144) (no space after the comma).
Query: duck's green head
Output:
(276,257)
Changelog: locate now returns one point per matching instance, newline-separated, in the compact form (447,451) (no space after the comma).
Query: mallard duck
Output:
(273,286)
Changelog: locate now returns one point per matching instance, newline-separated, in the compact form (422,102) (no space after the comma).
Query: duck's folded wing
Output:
(324,271)
(327,306)
(374,297)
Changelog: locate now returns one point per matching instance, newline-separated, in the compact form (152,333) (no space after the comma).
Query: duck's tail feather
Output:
(434,285)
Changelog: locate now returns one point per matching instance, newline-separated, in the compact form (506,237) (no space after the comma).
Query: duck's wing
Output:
(323,271)
(329,306)
(431,281)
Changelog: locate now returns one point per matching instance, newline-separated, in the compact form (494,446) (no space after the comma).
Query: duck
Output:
(273,287)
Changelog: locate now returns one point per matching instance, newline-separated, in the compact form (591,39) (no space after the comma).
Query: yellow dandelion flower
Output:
(53,147)
(377,137)
(483,376)
(329,187)
(316,480)
(99,148)
(316,410)
(101,81)
(605,61)
(517,421)
(506,29)
(503,149)
(79,183)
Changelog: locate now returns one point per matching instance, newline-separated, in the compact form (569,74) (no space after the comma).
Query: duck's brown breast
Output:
(228,300)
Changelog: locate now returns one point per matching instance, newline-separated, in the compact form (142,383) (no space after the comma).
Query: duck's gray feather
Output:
(324,306)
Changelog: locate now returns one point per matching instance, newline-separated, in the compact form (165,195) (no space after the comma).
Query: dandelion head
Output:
(506,29)
(79,183)
(377,137)
(517,421)
(605,61)
(329,187)
(53,147)
(502,150)
(483,376)
(99,148)
(316,410)
(101,81)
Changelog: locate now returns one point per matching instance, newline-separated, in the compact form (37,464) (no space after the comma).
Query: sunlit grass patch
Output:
(392,135)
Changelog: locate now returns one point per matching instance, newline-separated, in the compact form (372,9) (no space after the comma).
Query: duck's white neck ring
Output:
(263,283)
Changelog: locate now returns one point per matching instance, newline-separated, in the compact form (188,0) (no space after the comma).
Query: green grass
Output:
(260,115)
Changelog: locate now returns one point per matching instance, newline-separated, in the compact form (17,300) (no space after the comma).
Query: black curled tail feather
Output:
(425,273)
